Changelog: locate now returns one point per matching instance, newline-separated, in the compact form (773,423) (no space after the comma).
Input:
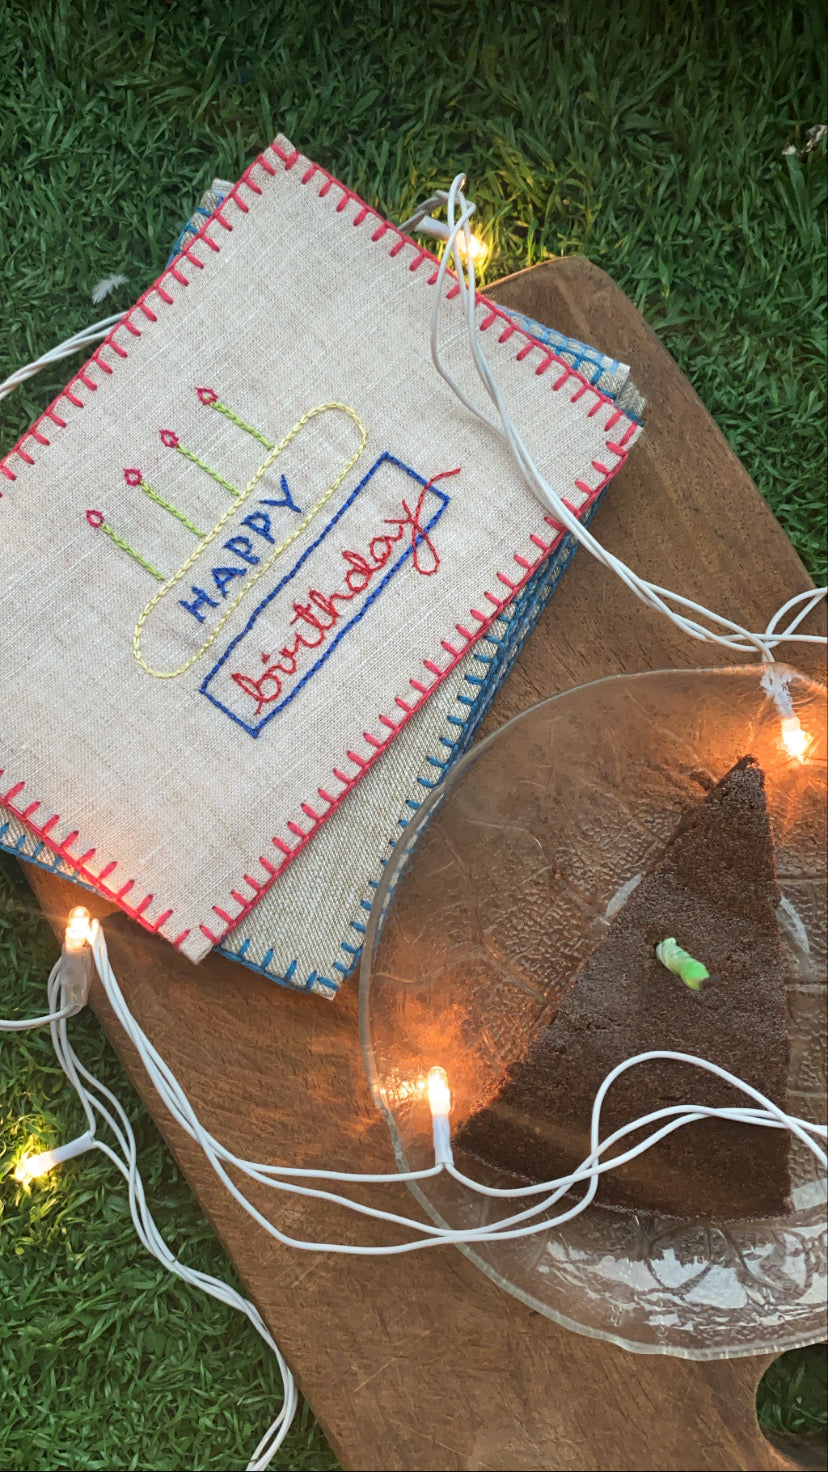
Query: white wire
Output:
(797,1126)
(661,599)
(101,1106)
(700,1111)
(809,599)
(79,340)
(26,1023)
(147,1229)
(176,1101)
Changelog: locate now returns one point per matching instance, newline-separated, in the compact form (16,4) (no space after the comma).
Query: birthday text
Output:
(300,632)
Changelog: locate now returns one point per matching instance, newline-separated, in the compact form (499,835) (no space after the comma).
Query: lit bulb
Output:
(75,973)
(794,739)
(77,929)
(439,1093)
(476,248)
(32,1166)
(439,1102)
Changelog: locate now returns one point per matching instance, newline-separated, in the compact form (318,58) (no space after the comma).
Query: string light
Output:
(775,682)
(794,739)
(439,1094)
(31,1166)
(101,1106)
(69,981)
(683,612)
(472,247)
(476,247)
(77,934)
(439,1102)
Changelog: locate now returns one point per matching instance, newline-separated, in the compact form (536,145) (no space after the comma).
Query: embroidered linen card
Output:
(250,540)
(306,931)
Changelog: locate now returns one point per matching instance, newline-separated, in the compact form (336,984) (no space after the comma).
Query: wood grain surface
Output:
(421,1362)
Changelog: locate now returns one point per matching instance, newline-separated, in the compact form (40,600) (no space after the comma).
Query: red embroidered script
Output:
(323,611)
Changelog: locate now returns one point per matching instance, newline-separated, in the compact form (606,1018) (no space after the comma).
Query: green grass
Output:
(650,138)
(652,142)
(792,1395)
(105,1360)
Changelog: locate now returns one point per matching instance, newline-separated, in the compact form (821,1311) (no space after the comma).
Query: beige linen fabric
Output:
(299,930)
(306,921)
(306,931)
(177,791)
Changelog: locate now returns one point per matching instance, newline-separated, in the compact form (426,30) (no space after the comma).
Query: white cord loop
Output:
(742,641)
(282,1178)
(101,1107)
(67,988)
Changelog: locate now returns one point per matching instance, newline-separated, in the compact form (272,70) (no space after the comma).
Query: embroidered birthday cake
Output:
(714,889)
(252,539)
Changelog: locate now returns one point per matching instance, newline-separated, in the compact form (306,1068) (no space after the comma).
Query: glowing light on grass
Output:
(476,248)
(30,1167)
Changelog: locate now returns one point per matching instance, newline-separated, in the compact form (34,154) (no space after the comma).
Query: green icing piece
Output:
(693,973)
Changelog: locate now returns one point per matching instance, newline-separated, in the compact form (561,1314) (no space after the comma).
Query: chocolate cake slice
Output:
(714,889)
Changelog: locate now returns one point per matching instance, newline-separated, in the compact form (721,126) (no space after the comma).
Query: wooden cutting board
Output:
(421,1362)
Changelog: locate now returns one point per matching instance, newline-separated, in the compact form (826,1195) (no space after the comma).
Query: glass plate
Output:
(499,888)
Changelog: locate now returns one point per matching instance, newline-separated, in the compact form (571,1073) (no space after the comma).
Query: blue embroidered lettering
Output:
(287,499)
(224,575)
(201,600)
(243,548)
(259,522)
(320,621)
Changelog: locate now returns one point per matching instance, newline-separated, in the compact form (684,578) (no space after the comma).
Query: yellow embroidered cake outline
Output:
(239,500)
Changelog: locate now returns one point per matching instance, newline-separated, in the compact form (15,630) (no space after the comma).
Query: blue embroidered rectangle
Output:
(255,729)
